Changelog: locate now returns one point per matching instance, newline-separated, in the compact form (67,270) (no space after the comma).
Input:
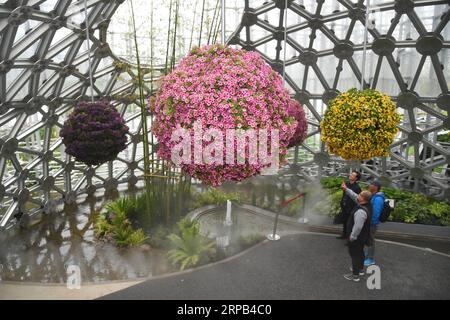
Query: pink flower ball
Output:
(295,110)
(223,88)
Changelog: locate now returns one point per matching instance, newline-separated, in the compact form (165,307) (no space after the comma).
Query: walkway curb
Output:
(337,229)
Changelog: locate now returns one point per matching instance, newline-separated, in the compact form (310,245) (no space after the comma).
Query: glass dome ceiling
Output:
(44,70)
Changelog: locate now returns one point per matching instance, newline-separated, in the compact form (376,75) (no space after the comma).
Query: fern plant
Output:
(115,224)
(121,206)
(190,248)
(102,227)
(127,237)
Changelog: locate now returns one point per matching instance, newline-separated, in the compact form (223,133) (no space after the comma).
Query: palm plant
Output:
(116,225)
(102,228)
(127,237)
(190,248)
(122,206)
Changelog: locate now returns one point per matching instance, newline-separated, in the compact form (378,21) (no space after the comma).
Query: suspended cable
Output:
(366,36)
(214,22)
(201,24)
(140,78)
(223,22)
(193,26)
(285,41)
(274,236)
(91,76)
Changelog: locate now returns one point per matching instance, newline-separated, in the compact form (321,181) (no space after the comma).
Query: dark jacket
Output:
(347,204)
(364,232)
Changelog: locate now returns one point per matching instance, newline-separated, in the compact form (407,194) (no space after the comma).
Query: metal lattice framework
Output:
(44,71)
(320,49)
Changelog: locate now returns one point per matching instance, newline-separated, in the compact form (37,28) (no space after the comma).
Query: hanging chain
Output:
(224,22)
(285,41)
(366,36)
(91,76)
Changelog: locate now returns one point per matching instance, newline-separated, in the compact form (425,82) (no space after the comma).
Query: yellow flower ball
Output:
(360,125)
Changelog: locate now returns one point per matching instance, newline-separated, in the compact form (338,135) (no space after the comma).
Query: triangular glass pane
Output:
(322,42)
(405,31)
(381,20)
(427,86)
(340,28)
(314,86)
(429,15)
(444,58)
(332,7)
(358,34)
(296,72)
(347,79)
(409,60)
(387,82)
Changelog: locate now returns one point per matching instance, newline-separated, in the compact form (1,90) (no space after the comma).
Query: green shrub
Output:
(439,209)
(115,225)
(215,197)
(102,228)
(130,238)
(122,206)
(331,182)
(189,247)
(406,211)
(294,208)
(410,207)
(335,199)
(158,237)
(417,208)
(187,225)
(396,194)
(445,137)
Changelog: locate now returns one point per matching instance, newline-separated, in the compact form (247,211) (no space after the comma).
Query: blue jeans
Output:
(371,242)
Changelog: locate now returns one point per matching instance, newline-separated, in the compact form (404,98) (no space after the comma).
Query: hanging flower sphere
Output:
(94,133)
(296,111)
(222,88)
(360,125)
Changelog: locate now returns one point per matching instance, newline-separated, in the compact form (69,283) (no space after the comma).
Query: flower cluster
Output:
(224,89)
(296,111)
(360,125)
(94,133)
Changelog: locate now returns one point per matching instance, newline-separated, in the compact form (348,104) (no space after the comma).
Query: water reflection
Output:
(43,252)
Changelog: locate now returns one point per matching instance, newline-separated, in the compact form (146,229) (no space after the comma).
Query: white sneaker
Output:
(352,277)
(361,273)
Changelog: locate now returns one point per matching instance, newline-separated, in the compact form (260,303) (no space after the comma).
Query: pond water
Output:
(42,253)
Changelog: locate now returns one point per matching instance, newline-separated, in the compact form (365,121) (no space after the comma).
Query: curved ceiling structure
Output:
(44,71)
(408,58)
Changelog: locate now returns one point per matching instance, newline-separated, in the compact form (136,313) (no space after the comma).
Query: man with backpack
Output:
(380,213)
(378,203)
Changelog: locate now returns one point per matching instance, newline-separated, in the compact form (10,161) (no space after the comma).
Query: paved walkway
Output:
(304,266)
(36,291)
